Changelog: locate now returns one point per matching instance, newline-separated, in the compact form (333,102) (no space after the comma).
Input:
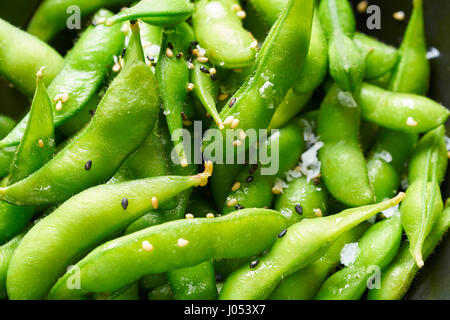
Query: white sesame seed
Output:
(241,14)
(190,65)
(41,143)
(169,53)
(182,242)
(236,7)
(64,97)
(195,52)
(228,120)
(234,123)
(58,106)
(236,186)
(116,67)
(318,212)
(147,246)
(411,122)
(101,20)
(399,15)
(202,59)
(210,215)
(362,6)
(155,203)
(212,71)
(190,87)
(277,190)
(231,202)
(57,97)
(189,216)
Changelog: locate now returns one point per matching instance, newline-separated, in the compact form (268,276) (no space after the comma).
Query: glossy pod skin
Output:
(219,31)
(304,284)
(423,202)
(274,72)
(412,73)
(344,169)
(82,75)
(6,154)
(89,159)
(313,236)
(398,276)
(345,60)
(156,12)
(89,217)
(21,57)
(173,78)
(291,105)
(404,112)
(378,246)
(386,161)
(255,189)
(380,58)
(176,244)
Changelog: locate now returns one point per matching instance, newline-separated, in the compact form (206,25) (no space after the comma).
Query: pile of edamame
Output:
(110,191)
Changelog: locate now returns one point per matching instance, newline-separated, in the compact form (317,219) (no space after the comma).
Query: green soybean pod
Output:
(412,73)
(291,105)
(6,154)
(173,78)
(21,57)
(398,276)
(173,245)
(378,247)
(380,58)
(38,143)
(423,202)
(344,168)
(219,31)
(387,159)
(405,112)
(134,50)
(346,64)
(82,75)
(152,281)
(301,244)
(89,159)
(163,292)
(82,222)
(304,284)
(194,283)
(156,12)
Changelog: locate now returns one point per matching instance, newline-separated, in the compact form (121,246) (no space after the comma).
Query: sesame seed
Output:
(236,7)
(411,122)
(232,102)
(241,14)
(169,53)
(116,67)
(101,20)
(65,97)
(189,216)
(213,71)
(92,112)
(448,154)
(204,69)
(231,202)
(299,209)
(124,28)
(179,55)
(147,246)
(236,186)
(155,203)
(399,15)
(238,207)
(282,233)
(124,203)
(228,120)
(40,143)
(362,6)
(213,77)
(58,106)
(202,59)
(254,44)
(190,87)
(88,165)
(254,264)
(234,123)
(318,212)
(210,215)
(249,179)
(182,242)
(223,96)
(58,97)
(124,50)
(277,190)
(190,65)
(253,168)
(194,43)
(195,52)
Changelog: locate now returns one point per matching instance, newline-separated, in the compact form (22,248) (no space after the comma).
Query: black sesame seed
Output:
(249,179)
(170,45)
(88,165)
(253,168)
(151,58)
(213,77)
(124,203)
(238,207)
(254,264)
(190,59)
(179,55)
(299,209)
(194,43)
(184,116)
(204,69)
(92,112)
(232,102)
(282,233)
(123,52)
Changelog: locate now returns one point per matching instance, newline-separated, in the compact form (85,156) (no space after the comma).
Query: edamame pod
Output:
(398,276)
(412,73)
(89,159)
(404,112)
(345,60)
(302,244)
(89,217)
(82,75)
(378,246)
(343,165)
(156,12)
(219,31)
(173,245)
(134,50)
(291,105)
(380,58)
(304,284)
(423,202)
(163,292)
(21,57)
